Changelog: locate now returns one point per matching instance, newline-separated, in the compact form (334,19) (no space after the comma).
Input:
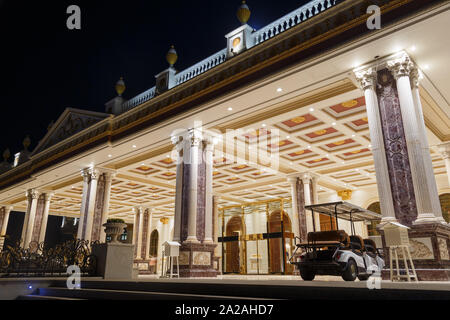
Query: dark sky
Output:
(44,67)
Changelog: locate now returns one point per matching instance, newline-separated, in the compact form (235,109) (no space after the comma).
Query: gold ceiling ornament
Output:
(120,87)
(300,152)
(350,104)
(26,142)
(243,13)
(320,132)
(345,194)
(172,56)
(164,220)
(356,152)
(6,155)
(299,120)
(318,160)
(365,119)
(340,143)
(282,143)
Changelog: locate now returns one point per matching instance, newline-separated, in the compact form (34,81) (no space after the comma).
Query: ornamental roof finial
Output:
(243,13)
(6,155)
(172,56)
(26,142)
(120,87)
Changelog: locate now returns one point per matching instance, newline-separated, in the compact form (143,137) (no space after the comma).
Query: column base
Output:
(426,218)
(197,260)
(2,243)
(430,247)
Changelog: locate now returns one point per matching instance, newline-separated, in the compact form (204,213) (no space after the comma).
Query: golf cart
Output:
(335,252)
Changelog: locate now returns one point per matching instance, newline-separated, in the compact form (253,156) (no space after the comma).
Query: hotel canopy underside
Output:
(318,120)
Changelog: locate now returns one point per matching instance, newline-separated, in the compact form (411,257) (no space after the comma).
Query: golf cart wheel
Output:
(307,274)
(351,272)
(363,277)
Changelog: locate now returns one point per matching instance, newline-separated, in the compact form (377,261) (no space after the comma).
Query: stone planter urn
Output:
(114,229)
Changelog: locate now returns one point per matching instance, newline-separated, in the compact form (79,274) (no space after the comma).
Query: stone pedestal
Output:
(430,247)
(114,260)
(146,267)
(197,260)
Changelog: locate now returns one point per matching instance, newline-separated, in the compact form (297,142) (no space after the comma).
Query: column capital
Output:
(401,65)
(367,78)
(444,149)
(48,196)
(164,220)
(194,137)
(345,194)
(138,210)
(292,179)
(33,193)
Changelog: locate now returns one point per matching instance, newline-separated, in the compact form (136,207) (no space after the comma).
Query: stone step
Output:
(39,297)
(104,294)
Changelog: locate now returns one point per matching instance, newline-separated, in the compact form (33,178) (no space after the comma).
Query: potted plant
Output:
(114,228)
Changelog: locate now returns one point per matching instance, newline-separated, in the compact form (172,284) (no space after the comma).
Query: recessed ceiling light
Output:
(134,146)
(311,110)
(309,147)
(279,90)
(264,125)
(109,155)
(230,109)
(426,67)
(288,137)
(413,48)
(333,124)
(353,135)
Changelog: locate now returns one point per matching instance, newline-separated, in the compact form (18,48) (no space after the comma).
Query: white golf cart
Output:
(335,252)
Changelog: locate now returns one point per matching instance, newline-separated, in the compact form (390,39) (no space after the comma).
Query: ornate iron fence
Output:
(37,260)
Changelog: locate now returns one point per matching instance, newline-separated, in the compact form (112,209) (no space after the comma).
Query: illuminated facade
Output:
(224,156)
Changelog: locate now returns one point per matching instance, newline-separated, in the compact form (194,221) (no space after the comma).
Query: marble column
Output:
(209,153)
(424,181)
(293,181)
(445,152)
(193,206)
(367,79)
(28,223)
(48,198)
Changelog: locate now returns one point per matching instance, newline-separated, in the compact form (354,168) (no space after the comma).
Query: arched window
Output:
(445,205)
(372,228)
(154,243)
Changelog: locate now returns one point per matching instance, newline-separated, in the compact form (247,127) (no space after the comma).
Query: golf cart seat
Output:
(334,237)
(371,246)
(357,243)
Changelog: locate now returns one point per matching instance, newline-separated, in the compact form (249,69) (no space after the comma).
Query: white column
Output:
(33,196)
(86,177)
(149,231)
(48,198)
(5,221)
(306,179)
(193,145)
(435,203)
(89,217)
(209,152)
(401,68)
(140,213)
(367,80)
(315,196)
(445,152)
(135,226)
(178,142)
(293,182)
(107,197)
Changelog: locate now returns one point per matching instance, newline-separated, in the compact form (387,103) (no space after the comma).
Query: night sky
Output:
(45,68)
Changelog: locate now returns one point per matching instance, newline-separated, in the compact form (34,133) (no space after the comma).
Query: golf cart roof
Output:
(345,211)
